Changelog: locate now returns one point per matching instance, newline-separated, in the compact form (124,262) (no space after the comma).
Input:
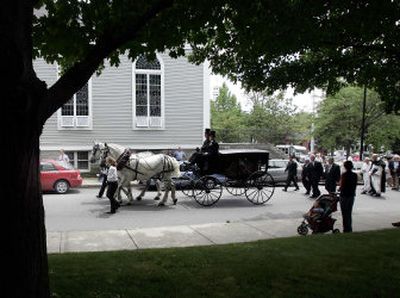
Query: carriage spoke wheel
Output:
(260,187)
(236,189)
(188,190)
(207,191)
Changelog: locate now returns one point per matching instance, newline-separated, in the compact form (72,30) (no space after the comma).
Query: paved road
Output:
(80,210)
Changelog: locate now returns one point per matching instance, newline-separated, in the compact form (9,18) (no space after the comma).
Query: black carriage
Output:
(240,172)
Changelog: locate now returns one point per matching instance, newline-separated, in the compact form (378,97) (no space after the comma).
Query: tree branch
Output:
(75,77)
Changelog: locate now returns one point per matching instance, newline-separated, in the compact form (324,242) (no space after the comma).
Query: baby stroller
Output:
(319,218)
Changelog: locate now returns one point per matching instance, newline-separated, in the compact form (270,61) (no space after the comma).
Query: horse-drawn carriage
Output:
(240,172)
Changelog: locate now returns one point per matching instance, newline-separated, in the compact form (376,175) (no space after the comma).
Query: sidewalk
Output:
(198,235)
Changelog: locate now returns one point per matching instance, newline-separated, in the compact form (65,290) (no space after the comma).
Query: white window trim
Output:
(90,116)
(148,71)
(74,162)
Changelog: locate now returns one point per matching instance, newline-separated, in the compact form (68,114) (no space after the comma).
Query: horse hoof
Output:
(138,198)
(175,200)
(156,198)
(161,204)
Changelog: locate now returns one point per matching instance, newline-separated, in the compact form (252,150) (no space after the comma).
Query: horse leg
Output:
(165,197)
(117,194)
(158,185)
(173,193)
(128,193)
(141,195)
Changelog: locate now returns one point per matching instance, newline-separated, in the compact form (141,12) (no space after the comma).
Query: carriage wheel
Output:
(188,192)
(260,187)
(235,191)
(236,188)
(188,189)
(207,191)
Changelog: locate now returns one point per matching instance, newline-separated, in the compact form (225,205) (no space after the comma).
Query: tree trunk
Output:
(23,249)
(24,243)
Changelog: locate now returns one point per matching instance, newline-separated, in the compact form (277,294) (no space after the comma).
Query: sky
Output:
(304,102)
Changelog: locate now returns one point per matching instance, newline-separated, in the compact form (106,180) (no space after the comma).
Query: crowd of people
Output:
(376,174)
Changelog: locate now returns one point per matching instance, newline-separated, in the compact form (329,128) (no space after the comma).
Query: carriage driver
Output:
(208,153)
(206,141)
(211,154)
(213,146)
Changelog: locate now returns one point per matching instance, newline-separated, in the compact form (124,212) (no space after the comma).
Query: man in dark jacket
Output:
(394,167)
(315,173)
(348,185)
(211,154)
(206,141)
(305,179)
(291,168)
(332,175)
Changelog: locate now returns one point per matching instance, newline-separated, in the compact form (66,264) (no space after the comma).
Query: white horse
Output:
(141,167)
(101,151)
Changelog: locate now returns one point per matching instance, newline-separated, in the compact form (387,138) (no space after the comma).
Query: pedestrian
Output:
(394,168)
(315,172)
(112,183)
(63,157)
(332,175)
(366,167)
(180,155)
(305,179)
(377,175)
(348,185)
(291,168)
(103,178)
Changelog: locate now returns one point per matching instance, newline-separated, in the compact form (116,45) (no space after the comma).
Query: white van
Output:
(300,152)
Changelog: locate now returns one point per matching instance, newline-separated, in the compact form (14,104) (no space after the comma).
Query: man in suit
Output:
(394,167)
(211,154)
(305,178)
(332,175)
(206,141)
(315,173)
(291,168)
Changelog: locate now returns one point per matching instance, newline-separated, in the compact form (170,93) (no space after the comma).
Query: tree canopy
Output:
(227,117)
(338,123)
(274,44)
(266,44)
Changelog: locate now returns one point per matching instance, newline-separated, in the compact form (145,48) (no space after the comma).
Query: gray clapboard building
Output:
(144,105)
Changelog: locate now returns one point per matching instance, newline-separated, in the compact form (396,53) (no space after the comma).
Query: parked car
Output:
(58,177)
(276,167)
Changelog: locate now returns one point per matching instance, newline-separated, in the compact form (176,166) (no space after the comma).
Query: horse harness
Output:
(123,159)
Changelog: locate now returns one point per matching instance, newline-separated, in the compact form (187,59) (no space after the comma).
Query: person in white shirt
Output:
(112,184)
(63,158)
(366,166)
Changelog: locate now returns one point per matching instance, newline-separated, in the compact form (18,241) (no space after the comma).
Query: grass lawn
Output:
(340,265)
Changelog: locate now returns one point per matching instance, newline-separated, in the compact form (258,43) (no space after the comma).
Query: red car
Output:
(59,177)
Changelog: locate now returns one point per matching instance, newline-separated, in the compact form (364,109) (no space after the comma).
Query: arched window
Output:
(148,93)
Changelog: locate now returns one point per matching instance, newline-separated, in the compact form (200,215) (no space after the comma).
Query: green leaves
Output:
(266,44)
(339,120)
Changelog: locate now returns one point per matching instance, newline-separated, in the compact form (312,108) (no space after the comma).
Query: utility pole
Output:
(363,123)
(312,141)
